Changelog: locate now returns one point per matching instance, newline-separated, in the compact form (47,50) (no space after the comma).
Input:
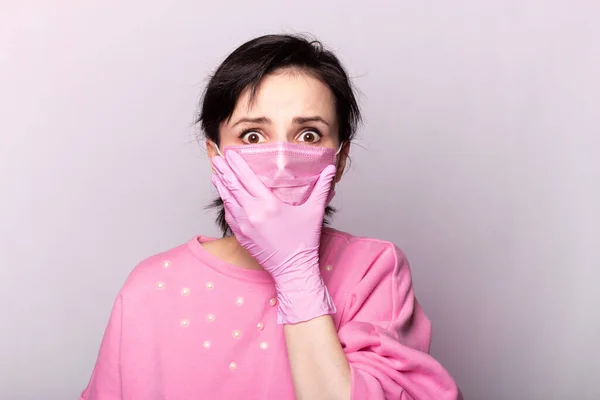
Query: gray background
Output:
(477,157)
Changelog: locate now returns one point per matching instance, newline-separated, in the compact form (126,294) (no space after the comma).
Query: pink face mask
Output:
(289,170)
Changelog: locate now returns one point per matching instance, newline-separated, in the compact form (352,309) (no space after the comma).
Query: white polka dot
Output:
(237,334)
(273,302)
(264,345)
(185,323)
(328,268)
(232,365)
(185,291)
(210,286)
(239,301)
(160,285)
(260,326)
(167,264)
(206,344)
(210,317)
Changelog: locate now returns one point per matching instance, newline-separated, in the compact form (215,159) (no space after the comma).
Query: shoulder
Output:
(364,253)
(157,270)
(372,279)
(362,266)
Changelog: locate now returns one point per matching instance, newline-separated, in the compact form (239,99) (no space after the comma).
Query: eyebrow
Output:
(316,118)
(259,120)
(265,120)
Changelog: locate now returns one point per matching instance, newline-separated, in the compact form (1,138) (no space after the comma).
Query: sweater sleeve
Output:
(105,383)
(386,336)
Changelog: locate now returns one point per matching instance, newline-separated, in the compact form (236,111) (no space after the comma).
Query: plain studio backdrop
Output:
(478,157)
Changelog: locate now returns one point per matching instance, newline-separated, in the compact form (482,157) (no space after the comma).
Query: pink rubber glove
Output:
(284,239)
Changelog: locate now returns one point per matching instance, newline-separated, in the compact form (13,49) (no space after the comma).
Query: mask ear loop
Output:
(339,150)
(213,144)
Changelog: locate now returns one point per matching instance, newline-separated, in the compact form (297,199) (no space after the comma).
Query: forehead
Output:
(287,94)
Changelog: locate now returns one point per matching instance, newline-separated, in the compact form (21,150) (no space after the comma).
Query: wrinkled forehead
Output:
(284,95)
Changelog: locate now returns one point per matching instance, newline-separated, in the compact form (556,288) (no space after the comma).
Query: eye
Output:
(252,137)
(310,136)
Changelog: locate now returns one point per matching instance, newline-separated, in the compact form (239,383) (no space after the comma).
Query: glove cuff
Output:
(305,301)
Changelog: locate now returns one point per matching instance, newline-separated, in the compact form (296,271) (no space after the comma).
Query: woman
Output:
(278,308)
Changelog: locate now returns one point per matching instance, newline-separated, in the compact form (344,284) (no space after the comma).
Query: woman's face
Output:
(289,106)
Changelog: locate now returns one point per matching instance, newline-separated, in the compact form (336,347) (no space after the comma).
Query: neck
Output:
(234,253)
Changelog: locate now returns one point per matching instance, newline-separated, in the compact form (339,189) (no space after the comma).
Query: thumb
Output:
(320,193)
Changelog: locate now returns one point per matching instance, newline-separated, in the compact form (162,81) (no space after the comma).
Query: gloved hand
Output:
(284,239)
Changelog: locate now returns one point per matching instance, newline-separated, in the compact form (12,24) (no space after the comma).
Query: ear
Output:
(342,158)
(211,150)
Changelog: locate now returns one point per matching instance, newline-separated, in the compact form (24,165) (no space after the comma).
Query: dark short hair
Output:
(245,68)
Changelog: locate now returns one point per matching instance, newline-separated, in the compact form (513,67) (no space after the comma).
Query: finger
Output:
(320,193)
(238,184)
(246,176)
(234,213)
(234,216)
(224,192)
(229,179)
(330,196)
(221,166)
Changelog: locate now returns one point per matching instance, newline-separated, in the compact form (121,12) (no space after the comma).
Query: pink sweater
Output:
(187,325)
